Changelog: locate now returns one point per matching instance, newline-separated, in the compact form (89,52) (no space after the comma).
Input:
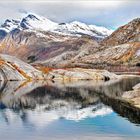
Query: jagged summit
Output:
(33,21)
(9,25)
(33,16)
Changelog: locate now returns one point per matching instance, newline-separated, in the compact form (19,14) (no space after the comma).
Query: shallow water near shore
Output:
(54,110)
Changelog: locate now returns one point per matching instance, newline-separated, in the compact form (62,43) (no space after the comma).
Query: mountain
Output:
(39,23)
(36,39)
(40,41)
(36,22)
(9,25)
(122,47)
(126,33)
(78,28)
(46,48)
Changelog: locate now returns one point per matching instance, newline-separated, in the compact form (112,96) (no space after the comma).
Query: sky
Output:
(108,13)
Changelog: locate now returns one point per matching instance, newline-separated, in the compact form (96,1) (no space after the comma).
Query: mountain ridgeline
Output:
(40,41)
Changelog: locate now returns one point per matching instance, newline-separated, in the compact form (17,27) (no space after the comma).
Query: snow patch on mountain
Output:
(79,28)
(102,30)
(33,21)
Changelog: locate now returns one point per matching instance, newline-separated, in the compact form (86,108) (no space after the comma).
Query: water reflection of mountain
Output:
(74,101)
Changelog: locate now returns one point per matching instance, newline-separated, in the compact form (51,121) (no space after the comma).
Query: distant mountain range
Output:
(39,23)
(40,41)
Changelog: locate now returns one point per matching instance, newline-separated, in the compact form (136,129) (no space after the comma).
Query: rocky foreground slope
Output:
(12,68)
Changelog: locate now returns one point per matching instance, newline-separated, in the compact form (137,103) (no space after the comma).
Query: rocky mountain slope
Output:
(122,47)
(125,34)
(125,54)
(46,47)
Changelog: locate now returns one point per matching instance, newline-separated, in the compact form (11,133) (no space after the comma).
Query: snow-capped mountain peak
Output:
(33,21)
(101,29)
(79,28)
(80,24)
(39,23)
(9,25)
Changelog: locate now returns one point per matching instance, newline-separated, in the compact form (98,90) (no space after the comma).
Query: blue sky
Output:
(108,13)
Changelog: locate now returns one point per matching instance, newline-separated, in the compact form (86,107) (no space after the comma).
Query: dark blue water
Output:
(68,111)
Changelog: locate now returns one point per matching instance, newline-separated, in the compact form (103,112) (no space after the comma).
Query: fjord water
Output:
(85,110)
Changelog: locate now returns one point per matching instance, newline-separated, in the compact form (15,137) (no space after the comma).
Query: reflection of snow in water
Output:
(41,118)
(81,114)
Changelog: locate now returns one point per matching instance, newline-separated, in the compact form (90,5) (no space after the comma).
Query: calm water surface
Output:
(85,110)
